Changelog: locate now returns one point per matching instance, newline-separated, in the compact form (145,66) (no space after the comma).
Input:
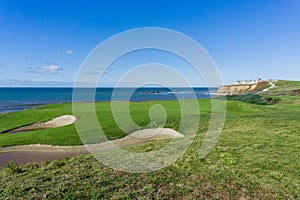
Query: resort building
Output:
(248,82)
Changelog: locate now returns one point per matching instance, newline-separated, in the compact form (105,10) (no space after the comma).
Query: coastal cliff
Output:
(241,88)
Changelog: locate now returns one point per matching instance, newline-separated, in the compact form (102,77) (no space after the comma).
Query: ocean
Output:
(16,99)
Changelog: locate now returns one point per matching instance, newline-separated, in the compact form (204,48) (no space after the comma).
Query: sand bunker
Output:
(37,153)
(137,137)
(156,132)
(54,123)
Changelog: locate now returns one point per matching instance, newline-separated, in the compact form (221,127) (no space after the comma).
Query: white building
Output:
(248,82)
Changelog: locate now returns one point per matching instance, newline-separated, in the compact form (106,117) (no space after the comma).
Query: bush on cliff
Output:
(254,99)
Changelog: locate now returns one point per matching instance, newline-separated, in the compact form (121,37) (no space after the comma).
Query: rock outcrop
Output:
(240,88)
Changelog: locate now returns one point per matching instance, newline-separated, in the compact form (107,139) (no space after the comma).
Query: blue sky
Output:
(43,43)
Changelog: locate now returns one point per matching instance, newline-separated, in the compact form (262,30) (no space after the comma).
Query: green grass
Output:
(59,136)
(284,87)
(68,135)
(256,157)
(254,99)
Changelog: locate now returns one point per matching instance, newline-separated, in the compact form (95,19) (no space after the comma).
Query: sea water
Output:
(15,99)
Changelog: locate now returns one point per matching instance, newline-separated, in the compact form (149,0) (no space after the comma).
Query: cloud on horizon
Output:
(28,83)
(96,71)
(50,69)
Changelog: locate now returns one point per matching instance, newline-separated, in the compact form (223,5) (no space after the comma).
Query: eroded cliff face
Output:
(236,89)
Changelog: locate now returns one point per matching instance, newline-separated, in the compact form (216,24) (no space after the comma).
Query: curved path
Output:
(272,86)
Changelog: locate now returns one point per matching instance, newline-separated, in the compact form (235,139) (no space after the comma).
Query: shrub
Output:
(254,99)
(12,168)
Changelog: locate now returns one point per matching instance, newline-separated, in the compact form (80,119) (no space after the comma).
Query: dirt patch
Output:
(24,157)
(260,86)
(295,92)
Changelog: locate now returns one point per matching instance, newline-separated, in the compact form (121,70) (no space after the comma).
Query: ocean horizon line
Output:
(20,98)
(70,87)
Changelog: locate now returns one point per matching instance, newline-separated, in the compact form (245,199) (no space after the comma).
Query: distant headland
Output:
(246,86)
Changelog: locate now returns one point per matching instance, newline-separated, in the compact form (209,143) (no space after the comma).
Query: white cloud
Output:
(67,52)
(51,69)
(97,71)
(29,83)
